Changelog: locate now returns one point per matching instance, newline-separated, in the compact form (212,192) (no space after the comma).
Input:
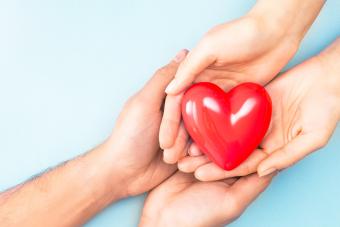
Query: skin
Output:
(114,170)
(128,163)
(302,99)
(267,38)
(184,201)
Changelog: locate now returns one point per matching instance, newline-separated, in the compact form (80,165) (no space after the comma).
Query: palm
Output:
(184,201)
(301,99)
(201,200)
(190,199)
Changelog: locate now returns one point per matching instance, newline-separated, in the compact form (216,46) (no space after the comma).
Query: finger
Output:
(196,61)
(290,153)
(154,90)
(190,164)
(244,191)
(212,172)
(194,150)
(179,149)
(170,122)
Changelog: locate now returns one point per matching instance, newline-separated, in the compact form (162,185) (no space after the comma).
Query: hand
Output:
(306,109)
(251,49)
(127,164)
(133,147)
(183,201)
(306,104)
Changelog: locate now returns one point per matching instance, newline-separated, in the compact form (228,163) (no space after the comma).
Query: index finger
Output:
(171,121)
(196,61)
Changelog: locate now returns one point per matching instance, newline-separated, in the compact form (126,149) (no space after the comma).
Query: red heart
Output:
(227,127)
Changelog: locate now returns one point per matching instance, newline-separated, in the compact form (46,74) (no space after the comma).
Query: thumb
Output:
(196,61)
(291,153)
(154,89)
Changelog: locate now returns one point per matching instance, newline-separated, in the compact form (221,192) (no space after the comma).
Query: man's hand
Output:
(306,110)
(127,164)
(133,146)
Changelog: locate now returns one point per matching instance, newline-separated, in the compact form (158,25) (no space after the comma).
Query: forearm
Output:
(292,18)
(329,60)
(66,196)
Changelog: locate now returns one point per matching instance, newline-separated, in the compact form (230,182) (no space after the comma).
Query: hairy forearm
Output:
(65,196)
(292,18)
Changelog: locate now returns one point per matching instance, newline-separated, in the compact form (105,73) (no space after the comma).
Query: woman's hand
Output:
(306,103)
(254,48)
(183,201)
(306,109)
(251,49)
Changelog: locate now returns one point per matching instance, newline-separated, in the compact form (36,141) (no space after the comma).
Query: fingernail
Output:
(171,86)
(167,157)
(180,56)
(199,175)
(194,151)
(266,172)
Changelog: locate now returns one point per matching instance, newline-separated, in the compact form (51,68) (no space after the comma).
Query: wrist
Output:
(328,60)
(120,174)
(109,176)
(287,19)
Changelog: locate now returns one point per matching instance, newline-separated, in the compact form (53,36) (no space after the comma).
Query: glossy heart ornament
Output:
(227,127)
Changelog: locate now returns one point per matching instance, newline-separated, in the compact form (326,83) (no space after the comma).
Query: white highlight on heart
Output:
(188,107)
(244,110)
(211,104)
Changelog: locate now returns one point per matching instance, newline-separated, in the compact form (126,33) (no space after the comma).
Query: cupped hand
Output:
(244,50)
(133,146)
(306,109)
(182,200)
(306,104)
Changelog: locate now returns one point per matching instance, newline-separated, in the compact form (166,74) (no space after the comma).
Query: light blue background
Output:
(67,66)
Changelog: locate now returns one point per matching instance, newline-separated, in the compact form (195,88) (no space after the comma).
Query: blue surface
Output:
(67,66)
